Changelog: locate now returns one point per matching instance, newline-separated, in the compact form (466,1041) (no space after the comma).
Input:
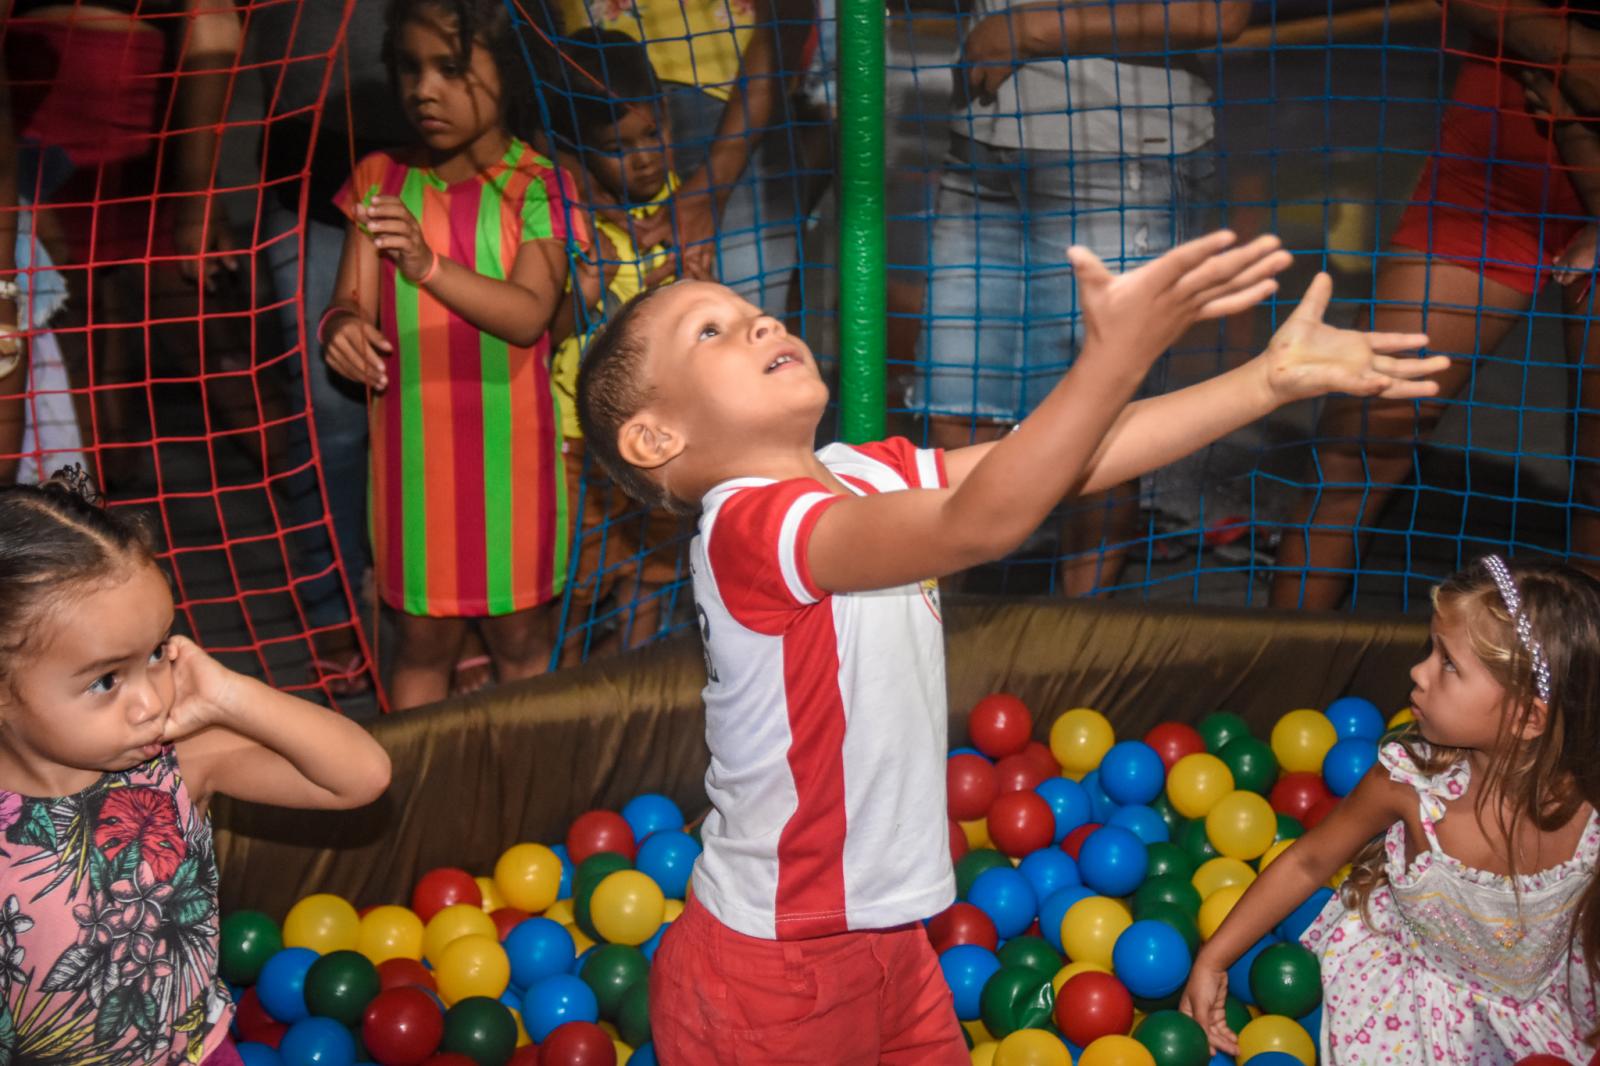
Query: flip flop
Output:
(476,662)
(349,678)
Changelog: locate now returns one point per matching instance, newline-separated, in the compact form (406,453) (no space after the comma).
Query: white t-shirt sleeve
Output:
(757,550)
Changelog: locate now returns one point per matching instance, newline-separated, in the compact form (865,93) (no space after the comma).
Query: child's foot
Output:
(472,674)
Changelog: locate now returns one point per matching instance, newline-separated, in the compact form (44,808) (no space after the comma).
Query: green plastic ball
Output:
(610,971)
(1255,768)
(1286,979)
(595,868)
(1175,916)
(1289,828)
(1168,860)
(340,985)
(1153,1006)
(633,1017)
(1015,998)
(1196,844)
(1219,728)
(1169,814)
(1235,1013)
(1168,888)
(247,940)
(1031,953)
(1173,1039)
(973,864)
(482,1029)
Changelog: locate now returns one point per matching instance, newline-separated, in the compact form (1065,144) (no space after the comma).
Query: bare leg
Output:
(1583,347)
(520,644)
(1094,539)
(427,653)
(1367,445)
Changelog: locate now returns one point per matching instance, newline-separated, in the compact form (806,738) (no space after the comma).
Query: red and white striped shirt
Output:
(825,715)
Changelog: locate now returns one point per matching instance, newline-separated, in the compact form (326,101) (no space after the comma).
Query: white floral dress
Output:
(1458,965)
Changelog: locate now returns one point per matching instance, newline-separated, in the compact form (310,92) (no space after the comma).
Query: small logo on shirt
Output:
(930,596)
(705,643)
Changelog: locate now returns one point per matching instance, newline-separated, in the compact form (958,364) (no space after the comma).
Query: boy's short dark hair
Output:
(604,73)
(612,389)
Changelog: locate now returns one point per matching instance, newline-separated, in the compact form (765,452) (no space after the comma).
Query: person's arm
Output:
(352,343)
(208,56)
(1305,358)
(880,541)
(1375,804)
(242,738)
(998,42)
(1539,34)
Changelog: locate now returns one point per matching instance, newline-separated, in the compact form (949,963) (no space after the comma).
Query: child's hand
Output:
(1307,357)
(1205,1000)
(351,347)
(204,688)
(396,234)
(1142,313)
(1577,259)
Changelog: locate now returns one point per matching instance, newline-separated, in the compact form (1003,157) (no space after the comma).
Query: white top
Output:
(1147,106)
(825,715)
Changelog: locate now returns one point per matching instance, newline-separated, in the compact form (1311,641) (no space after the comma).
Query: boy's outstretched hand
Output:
(1307,357)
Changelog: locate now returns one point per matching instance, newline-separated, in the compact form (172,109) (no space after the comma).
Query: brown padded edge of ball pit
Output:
(475,775)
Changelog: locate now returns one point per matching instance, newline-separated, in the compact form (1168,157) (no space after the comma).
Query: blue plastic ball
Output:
(1272,1058)
(1069,802)
(555,1001)
(282,984)
(1007,898)
(651,813)
(1143,822)
(1101,806)
(1132,773)
(1353,716)
(649,948)
(577,963)
(1347,762)
(567,870)
(317,1042)
(644,1055)
(1151,958)
(538,948)
(1312,1023)
(1055,907)
(1239,972)
(1301,917)
(1113,861)
(1049,869)
(511,998)
(969,751)
(967,967)
(667,857)
(253,1054)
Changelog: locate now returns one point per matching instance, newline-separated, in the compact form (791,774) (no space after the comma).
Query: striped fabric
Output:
(468,501)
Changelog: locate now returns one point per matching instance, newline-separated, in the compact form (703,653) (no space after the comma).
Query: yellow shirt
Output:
(692,42)
(628,283)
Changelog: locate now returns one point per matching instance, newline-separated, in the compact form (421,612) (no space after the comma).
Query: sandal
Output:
(481,667)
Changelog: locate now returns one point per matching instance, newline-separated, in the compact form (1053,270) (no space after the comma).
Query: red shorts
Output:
(854,999)
(1494,198)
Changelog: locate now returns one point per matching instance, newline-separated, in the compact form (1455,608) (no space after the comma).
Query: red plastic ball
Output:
(1542,1059)
(444,887)
(1000,725)
(526,1055)
(400,973)
(958,842)
(506,919)
(1075,839)
(1319,810)
(595,831)
(961,923)
(970,786)
(1297,793)
(451,1058)
(1174,740)
(577,1044)
(1020,823)
(1039,755)
(1017,773)
(1092,1005)
(253,1024)
(402,1027)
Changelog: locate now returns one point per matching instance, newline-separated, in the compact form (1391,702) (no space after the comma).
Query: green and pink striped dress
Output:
(468,501)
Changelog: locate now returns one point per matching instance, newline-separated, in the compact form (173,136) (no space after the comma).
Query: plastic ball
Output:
(389,932)
(246,940)
(1015,998)
(1069,804)
(444,887)
(1542,1059)
(627,907)
(556,1001)
(1031,953)
(472,966)
(1020,823)
(317,1042)
(1173,740)
(323,923)
(966,968)
(1286,979)
(1347,762)
(1080,738)
(1143,822)
(399,973)
(1169,860)
(595,831)
(1272,854)
(1196,844)
(610,970)
(254,1024)
(1241,825)
(1196,783)
(578,1044)
(1115,1051)
(480,1028)
(593,870)
(1039,755)
(958,841)
(1151,959)
(1352,716)
(976,834)
(1090,929)
(1301,739)
(283,982)
(1053,908)
(1112,861)
(492,899)
(651,813)
(1049,869)
(1073,845)
(1283,1058)
(1170,888)
(1301,917)
(1000,725)
(1274,1032)
(1132,773)
(1216,907)
(961,923)
(402,1026)
(643,1055)
(1251,762)
(1101,806)
(1092,1005)
(1220,873)
(340,985)
(1005,895)
(1297,793)
(253,1054)
(1031,1047)
(667,857)
(970,786)
(1403,717)
(633,1014)
(1173,1039)
(973,864)
(1218,728)
(528,876)
(452,923)
(1017,772)
(1239,972)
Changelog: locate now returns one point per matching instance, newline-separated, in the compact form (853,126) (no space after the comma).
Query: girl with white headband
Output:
(1469,927)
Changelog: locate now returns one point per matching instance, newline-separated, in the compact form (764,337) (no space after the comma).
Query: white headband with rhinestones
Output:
(1508,592)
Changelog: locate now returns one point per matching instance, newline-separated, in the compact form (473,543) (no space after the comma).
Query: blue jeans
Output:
(1002,316)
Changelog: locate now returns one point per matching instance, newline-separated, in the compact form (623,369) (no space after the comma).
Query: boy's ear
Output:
(1537,720)
(646,442)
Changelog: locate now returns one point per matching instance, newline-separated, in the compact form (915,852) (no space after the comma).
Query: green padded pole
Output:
(862,294)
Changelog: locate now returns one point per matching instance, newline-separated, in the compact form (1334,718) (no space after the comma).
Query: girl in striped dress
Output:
(454,263)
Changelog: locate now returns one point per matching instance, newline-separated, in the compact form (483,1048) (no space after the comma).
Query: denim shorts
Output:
(1001,309)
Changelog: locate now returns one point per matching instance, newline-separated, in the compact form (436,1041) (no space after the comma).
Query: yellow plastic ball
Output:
(979,1033)
(624,1052)
(983,1054)
(1090,928)
(1080,738)
(390,932)
(1220,873)
(523,1039)
(1031,1047)
(1402,717)
(1215,907)
(1339,876)
(580,939)
(1274,1032)
(1073,969)
(672,911)
(472,965)
(492,899)
(1197,782)
(1272,853)
(1241,825)
(627,908)
(976,832)
(1117,1051)
(452,923)
(561,912)
(323,923)
(1301,740)
(529,877)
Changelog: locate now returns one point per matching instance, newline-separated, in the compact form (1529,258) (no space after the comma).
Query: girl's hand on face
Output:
(1205,1000)
(352,348)
(396,233)
(203,689)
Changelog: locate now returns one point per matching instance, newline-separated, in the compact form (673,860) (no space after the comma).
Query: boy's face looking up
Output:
(630,159)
